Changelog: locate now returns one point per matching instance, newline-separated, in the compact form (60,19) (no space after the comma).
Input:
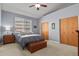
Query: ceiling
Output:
(22,8)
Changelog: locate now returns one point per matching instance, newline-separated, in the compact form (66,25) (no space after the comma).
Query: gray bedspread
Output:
(24,40)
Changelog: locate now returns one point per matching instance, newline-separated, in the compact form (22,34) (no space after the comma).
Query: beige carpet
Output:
(53,49)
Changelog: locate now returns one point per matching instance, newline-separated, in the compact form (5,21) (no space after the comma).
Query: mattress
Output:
(25,39)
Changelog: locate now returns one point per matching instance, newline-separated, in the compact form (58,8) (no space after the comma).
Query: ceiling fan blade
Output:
(43,5)
(31,5)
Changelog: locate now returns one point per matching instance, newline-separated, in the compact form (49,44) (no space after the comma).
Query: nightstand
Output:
(8,39)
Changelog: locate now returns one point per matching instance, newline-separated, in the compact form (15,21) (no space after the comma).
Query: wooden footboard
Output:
(34,46)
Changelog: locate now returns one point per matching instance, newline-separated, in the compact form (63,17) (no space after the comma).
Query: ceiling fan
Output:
(37,5)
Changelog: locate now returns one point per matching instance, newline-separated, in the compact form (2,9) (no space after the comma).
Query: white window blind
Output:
(23,25)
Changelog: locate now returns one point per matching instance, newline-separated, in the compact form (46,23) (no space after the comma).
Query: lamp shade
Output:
(7,28)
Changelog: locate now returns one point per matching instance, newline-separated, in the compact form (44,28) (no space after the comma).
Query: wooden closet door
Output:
(73,26)
(64,31)
(44,30)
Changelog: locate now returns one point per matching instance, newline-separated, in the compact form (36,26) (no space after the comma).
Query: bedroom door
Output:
(73,26)
(64,31)
(44,30)
(68,27)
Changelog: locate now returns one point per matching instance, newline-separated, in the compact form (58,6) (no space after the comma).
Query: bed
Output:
(0,40)
(23,40)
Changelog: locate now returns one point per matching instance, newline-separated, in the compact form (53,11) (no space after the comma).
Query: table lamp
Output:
(7,28)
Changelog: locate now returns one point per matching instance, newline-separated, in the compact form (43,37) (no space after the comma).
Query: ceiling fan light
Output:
(37,5)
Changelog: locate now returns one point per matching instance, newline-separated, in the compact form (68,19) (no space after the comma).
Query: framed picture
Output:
(35,26)
(53,25)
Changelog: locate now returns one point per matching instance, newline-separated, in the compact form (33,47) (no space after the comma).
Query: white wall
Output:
(0,20)
(0,15)
(55,17)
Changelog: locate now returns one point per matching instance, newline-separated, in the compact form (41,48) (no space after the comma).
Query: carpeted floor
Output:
(53,49)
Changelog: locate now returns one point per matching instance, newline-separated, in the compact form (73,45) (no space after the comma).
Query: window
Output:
(22,25)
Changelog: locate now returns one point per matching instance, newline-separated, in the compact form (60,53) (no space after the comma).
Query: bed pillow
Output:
(26,34)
